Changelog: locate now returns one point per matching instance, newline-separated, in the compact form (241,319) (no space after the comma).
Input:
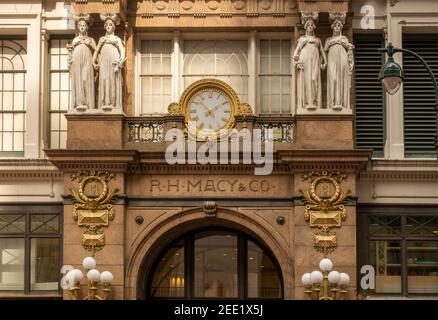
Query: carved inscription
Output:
(209,185)
(215,185)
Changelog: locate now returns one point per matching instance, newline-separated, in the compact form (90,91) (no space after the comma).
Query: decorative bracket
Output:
(210,208)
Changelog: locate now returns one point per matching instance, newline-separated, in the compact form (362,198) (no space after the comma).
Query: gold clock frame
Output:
(181,108)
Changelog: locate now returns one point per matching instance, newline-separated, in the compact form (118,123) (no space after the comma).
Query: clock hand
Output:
(219,105)
(202,104)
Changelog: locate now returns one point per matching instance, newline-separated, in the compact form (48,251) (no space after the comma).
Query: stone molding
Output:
(400,175)
(401,170)
(173,9)
(134,162)
(28,169)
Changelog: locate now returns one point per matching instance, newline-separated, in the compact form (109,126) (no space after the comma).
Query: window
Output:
(30,251)
(402,245)
(419,95)
(12,96)
(155,76)
(59,100)
(168,280)
(369,94)
(221,59)
(215,264)
(275,76)
(167,67)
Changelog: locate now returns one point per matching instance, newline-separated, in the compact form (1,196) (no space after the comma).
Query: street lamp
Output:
(94,277)
(391,76)
(328,277)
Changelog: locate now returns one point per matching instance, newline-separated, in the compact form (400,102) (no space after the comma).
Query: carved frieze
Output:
(222,8)
(99,6)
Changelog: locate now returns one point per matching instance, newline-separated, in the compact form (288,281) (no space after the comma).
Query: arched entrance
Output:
(155,240)
(214,262)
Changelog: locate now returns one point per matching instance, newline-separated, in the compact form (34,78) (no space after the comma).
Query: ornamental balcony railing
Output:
(146,130)
(283,128)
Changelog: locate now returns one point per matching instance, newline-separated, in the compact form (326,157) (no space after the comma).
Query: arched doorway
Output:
(214,262)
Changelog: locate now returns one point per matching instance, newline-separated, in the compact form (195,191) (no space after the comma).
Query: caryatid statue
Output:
(340,65)
(80,62)
(309,58)
(109,58)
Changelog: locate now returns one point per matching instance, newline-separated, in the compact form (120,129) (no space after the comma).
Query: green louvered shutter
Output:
(419,95)
(369,95)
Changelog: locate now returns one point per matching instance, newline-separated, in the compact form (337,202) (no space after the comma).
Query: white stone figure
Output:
(309,58)
(80,62)
(109,59)
(340,65)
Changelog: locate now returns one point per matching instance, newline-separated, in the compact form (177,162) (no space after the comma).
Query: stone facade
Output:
(170,199)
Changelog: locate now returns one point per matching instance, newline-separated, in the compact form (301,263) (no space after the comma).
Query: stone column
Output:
(94,148)
(342,166)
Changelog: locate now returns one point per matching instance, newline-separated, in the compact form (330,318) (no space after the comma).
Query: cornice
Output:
(405,164)
(345,160)
(72,160)
(400,175)
(154,162)
(28,169)
(401,170)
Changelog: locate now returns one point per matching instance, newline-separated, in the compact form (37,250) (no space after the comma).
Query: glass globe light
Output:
(93,275)
(334,277)
(75,275)
(89,263)
(106,277)
(344,279)
(391,84)
(326,265)
(391,76)
(316,277)
(306,279)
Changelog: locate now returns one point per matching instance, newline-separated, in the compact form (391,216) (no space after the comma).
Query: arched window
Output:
(220,59)
(215,263)
(12,96)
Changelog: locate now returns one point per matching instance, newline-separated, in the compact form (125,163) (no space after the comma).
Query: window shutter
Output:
(419,95)
(369,95)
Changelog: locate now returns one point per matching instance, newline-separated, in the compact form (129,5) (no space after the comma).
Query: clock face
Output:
(208,111)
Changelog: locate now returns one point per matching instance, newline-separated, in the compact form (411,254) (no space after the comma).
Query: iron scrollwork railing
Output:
(145,132)
(282,132)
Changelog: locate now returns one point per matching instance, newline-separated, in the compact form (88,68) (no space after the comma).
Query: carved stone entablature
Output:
(221,8)
(323,5)
(99,6)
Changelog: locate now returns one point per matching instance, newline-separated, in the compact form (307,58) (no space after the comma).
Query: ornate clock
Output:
(209,107)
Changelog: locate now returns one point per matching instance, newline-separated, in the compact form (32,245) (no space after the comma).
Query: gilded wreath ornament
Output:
(325,207)
(93,209)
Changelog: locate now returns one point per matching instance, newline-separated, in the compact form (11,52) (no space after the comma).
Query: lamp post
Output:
(94,276)
(333,283)
(391,76)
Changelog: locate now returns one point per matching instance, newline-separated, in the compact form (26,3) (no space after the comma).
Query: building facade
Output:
(83,167)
